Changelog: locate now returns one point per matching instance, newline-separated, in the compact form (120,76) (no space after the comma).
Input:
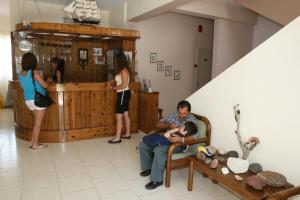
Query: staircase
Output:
(280,11)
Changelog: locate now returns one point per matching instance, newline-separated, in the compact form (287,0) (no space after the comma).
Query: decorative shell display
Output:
(273,178)
(237,165)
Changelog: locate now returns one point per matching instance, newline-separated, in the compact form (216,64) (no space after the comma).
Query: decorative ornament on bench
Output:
(249,145)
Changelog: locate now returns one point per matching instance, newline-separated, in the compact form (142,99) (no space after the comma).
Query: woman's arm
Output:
(110,84)
(38,77)
(124,77)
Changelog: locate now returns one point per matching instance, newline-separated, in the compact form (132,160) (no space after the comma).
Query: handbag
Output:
(41,100)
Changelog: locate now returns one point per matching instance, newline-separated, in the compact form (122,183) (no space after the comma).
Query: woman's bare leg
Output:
(38,120)
(119,126)
(127,123)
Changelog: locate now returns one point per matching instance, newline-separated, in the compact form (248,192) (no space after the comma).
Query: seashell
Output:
(256,182)
(238,178)
(220,158)
(237,165)
(222,151)
(214,164)
(207,161)
(201,156)
(211,150)
(255,168)
(233,154)
(225,170)
(273,178)
(204,150)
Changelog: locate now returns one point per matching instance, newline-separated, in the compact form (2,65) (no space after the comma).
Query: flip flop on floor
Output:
(41,146)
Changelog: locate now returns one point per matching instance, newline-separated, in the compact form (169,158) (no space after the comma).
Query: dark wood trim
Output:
(74,29)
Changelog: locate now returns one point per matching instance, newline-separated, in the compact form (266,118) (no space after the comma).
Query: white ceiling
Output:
(102,4)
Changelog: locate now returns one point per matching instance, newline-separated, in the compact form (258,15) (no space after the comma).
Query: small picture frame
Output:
(97,51)
(82,57)
(168,71)
(160,65)
(176,75)
(153,57)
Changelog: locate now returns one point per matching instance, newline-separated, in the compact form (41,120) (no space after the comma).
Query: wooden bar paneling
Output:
(148,112)
(80,111)
(78,29)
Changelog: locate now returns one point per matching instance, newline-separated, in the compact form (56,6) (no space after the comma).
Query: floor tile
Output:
(94,159)
(110,184)
(122,194)
(70,169)
(11,194)
(38,182)
(165,195)
(87,170)
(86,194)
(102,171)
(43,194)
(74,183)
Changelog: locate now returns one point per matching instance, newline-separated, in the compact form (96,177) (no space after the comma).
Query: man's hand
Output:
(175,139)
(172,126)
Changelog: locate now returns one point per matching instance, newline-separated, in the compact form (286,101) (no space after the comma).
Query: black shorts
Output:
(123,103)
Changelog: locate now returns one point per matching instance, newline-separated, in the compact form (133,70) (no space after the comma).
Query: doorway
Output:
(204,68)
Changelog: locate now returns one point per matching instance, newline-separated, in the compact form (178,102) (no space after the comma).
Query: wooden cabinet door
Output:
(148,111)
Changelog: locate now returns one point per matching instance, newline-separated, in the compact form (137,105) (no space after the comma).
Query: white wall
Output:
(5,24)
(266,84)
(117,16)
(138,10)
(232,40)
(5,52)
(264,29)
(175,38)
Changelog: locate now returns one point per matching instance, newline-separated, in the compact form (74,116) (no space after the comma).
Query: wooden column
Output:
(148,113)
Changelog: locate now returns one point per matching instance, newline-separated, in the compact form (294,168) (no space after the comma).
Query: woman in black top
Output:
(57,65)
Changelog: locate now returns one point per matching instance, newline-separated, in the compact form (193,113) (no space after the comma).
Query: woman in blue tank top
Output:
(26,77)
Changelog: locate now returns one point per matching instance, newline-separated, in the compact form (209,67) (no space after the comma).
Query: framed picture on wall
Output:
(168,71)
(82,57)
(176,75)
(97,51)
(153,57)
(160,65)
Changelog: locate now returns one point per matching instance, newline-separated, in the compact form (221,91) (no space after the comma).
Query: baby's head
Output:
(190,128)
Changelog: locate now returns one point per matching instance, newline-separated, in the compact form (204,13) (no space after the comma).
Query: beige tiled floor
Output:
(86,170)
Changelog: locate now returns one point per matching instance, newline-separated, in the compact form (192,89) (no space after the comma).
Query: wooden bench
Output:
(238,187)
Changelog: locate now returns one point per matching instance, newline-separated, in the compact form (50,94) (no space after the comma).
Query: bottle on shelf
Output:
(149,88)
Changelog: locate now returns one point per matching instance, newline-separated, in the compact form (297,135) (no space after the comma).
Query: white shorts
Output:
(31,106)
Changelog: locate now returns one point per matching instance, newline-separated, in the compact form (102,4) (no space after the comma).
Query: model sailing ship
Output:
(83,11)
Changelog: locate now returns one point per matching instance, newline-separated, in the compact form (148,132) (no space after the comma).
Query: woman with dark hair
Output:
(57,65)
(30,80)
(121,86)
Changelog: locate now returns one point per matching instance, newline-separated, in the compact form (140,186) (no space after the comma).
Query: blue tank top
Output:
(27,86)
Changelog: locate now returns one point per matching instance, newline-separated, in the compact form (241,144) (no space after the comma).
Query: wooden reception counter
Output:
(81,111)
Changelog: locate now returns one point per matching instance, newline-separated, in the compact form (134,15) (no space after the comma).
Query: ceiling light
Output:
(84,36)
(106,38)
(62,34)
